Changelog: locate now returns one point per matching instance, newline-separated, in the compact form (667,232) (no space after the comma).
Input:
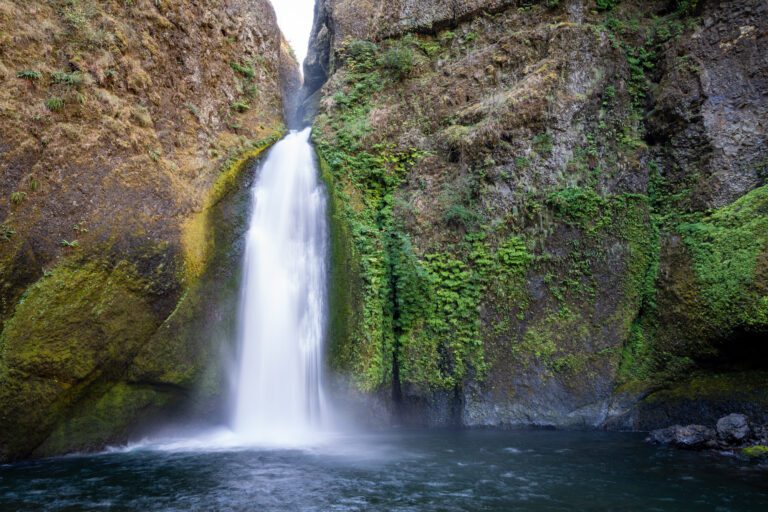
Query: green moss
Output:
(92,325)
(72,327)
(344,297)
(579,206)
(755,452)
(745,387)
(103,417)
(185,351)
(197,231)
(726,247)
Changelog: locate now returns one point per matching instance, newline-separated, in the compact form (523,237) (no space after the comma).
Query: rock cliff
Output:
(125,125)
(547,212)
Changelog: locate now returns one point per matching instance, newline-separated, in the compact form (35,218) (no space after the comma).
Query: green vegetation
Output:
(755,452)
(606,5)
(240,106)
(18,197)
(543,144)
(29,74)
(362,56)
(70,244)
(418,314)
(243,69)
(73,79)
(687,6)
(6,232)
(398,61)
(726,247)
(55,104)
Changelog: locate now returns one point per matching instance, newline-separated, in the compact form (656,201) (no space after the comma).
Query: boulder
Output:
(692,437)
(733,429)
(760,434)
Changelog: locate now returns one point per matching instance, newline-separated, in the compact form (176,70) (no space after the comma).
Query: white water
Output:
(279,392)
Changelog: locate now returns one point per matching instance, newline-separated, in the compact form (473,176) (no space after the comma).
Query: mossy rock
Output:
(104,416)
(103,342)
(755,452)
(704,398)
(72,328)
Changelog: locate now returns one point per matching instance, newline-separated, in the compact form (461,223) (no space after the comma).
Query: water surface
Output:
(397,471)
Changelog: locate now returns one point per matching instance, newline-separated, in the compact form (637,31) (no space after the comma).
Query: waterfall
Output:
(279,392)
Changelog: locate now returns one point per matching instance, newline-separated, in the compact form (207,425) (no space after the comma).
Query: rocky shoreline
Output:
(732,434)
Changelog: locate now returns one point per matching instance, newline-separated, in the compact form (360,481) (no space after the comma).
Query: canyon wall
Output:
(125,128)
(548,213)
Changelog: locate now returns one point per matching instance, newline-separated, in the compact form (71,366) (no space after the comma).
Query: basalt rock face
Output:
(125,126)
(547,212)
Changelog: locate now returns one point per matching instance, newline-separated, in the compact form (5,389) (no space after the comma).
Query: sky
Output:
(295,18)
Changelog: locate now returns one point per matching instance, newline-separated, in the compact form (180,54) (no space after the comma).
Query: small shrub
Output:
(241,106)
(18,197)
(74,79)
(430,47)
(687,6)
(398,61)
(446,36)
(245,70)
(458,215)
(361,55)
(543,144)
(6,233)
(29,74)
(142,116)
(69,244)
(606,5)
(34,185)
(251,90)
(54,104)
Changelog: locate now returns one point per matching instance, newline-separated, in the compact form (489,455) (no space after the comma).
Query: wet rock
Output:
(692,437)
(733,429)
(760,434)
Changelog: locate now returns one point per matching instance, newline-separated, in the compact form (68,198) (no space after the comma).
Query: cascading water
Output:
(279,389)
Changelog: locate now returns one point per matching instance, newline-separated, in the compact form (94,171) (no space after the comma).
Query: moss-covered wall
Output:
(529,239)
(126,130)
(90,356)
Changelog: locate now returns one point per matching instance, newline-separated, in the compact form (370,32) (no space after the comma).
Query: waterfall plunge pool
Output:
(396,471)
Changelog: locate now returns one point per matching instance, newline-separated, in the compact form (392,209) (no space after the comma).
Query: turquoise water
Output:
(397,471)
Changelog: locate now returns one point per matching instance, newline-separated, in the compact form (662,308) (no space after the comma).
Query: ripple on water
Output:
(420,471)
